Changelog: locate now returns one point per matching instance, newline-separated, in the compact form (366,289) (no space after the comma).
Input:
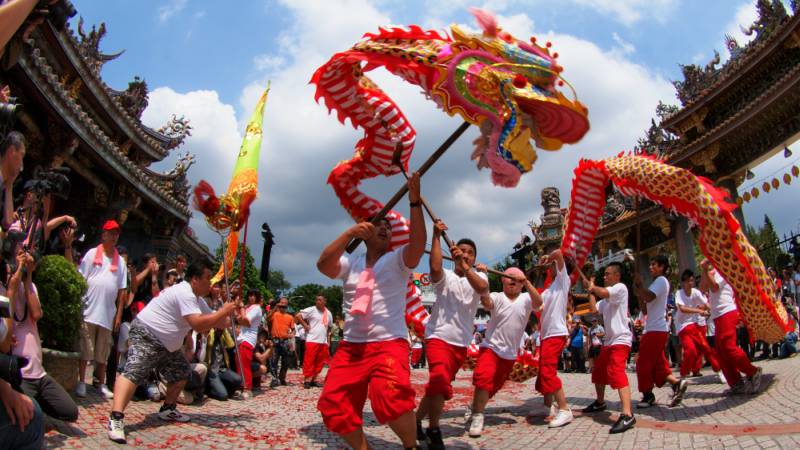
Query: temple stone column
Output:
(730,185)
(684,243)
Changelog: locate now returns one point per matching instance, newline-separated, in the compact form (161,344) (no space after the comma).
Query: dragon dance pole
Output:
(233,316)
(244,248)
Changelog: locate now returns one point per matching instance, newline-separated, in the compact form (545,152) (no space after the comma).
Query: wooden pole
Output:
(403,189)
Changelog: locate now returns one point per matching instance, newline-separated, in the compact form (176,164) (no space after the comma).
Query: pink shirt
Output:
(28,344)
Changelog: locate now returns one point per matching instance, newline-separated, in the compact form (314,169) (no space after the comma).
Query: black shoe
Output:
(434,439)
(678,390)
(648,400)
(306,385)
(421,433)
(594,407)
(624,423)
(316,384)
(274,383)
(285,383)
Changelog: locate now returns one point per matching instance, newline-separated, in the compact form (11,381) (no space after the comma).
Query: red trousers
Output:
(315,357)
(691,354)
(609,366)
(444,360)
(732,359)
(705,350)
(416,355)
(246,353)
(547,381)
(491,371)
(375,369)
(652,367)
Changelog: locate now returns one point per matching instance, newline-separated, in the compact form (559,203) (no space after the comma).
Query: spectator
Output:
(21,420)
(250,321)
(576,347)
(106,275)
(171,278)
(27,310)
(145,284)
(596,335)
(180,267)
(124,332)
(282,326)
(789,345)
(300,344)
(261,355)
(222,382)
(336,333)
(12,152)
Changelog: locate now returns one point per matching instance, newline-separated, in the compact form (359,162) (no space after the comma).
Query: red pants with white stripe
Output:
(732,359)
(652,367)
(246,354)
(316,355)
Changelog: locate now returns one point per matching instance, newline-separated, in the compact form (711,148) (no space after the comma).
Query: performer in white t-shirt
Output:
(372,360)
(107,277)
(510,311)
(449,329)
(553,335)
(652,367)
(249,319)
(156,341)
(691,310)
(609,367)
(733,360)
(316,321)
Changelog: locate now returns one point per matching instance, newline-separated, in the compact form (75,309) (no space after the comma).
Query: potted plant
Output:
(61,289)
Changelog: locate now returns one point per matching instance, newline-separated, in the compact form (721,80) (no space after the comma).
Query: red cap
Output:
(111,225)
(137,307)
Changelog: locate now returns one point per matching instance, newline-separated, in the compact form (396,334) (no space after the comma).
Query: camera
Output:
(50,181)
(10,369)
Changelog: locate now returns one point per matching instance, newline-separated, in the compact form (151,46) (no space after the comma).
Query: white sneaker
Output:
(173,415)
(476,427)
(80,389)
(106,392)
(553,411)
(247,395)
(563,417)
(722,378)
(116,430)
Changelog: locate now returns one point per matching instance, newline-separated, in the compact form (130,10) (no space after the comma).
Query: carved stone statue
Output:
(615,205)
(134,99)
(696,80)
(551,200)
(89,46)
(177,128)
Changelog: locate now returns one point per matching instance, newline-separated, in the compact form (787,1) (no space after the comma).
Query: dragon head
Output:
(508,88)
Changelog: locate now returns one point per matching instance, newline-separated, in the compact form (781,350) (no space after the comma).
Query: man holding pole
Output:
(449,329)
(372,360)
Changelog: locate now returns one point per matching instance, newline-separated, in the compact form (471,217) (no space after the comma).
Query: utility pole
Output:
(266,233)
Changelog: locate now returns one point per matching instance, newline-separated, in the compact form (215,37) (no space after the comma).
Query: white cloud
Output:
(623,46)
(172,8)
(628,12)
(302,143)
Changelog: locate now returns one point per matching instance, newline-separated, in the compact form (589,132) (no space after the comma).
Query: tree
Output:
(252,278)
(305,295)
(277,283)
(769,249)
(495,282)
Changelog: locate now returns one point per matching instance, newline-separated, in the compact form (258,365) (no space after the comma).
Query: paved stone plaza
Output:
(287,418)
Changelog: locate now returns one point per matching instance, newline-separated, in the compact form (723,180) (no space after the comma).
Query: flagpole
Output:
(244,249)
(233,316)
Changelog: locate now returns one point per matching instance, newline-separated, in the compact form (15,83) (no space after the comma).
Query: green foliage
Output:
(495,282)
(277,283)
(767,243)
(61,290)
(252,278)
(305,295)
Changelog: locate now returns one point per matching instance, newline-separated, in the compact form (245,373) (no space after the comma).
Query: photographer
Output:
(12,152)
(27,310)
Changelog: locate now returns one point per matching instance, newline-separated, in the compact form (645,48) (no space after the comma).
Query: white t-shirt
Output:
(249,334)
(165,315)
(593,334)
(722,301)
(554,306)
(122,341)
(317,332)
(694,300)
(657,308)
(507,324)
(385,318)
(100,301)
(300,333)
(615,316)
(453,314)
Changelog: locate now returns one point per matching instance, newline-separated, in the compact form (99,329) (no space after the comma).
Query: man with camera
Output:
(12,152)
(107,277)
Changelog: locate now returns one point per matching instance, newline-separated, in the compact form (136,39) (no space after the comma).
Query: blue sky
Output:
(209,61)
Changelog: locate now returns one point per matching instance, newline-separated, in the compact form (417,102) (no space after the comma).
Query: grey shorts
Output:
(145,353)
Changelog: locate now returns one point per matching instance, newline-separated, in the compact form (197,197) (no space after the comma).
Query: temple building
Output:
(72,118)
(732,117)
